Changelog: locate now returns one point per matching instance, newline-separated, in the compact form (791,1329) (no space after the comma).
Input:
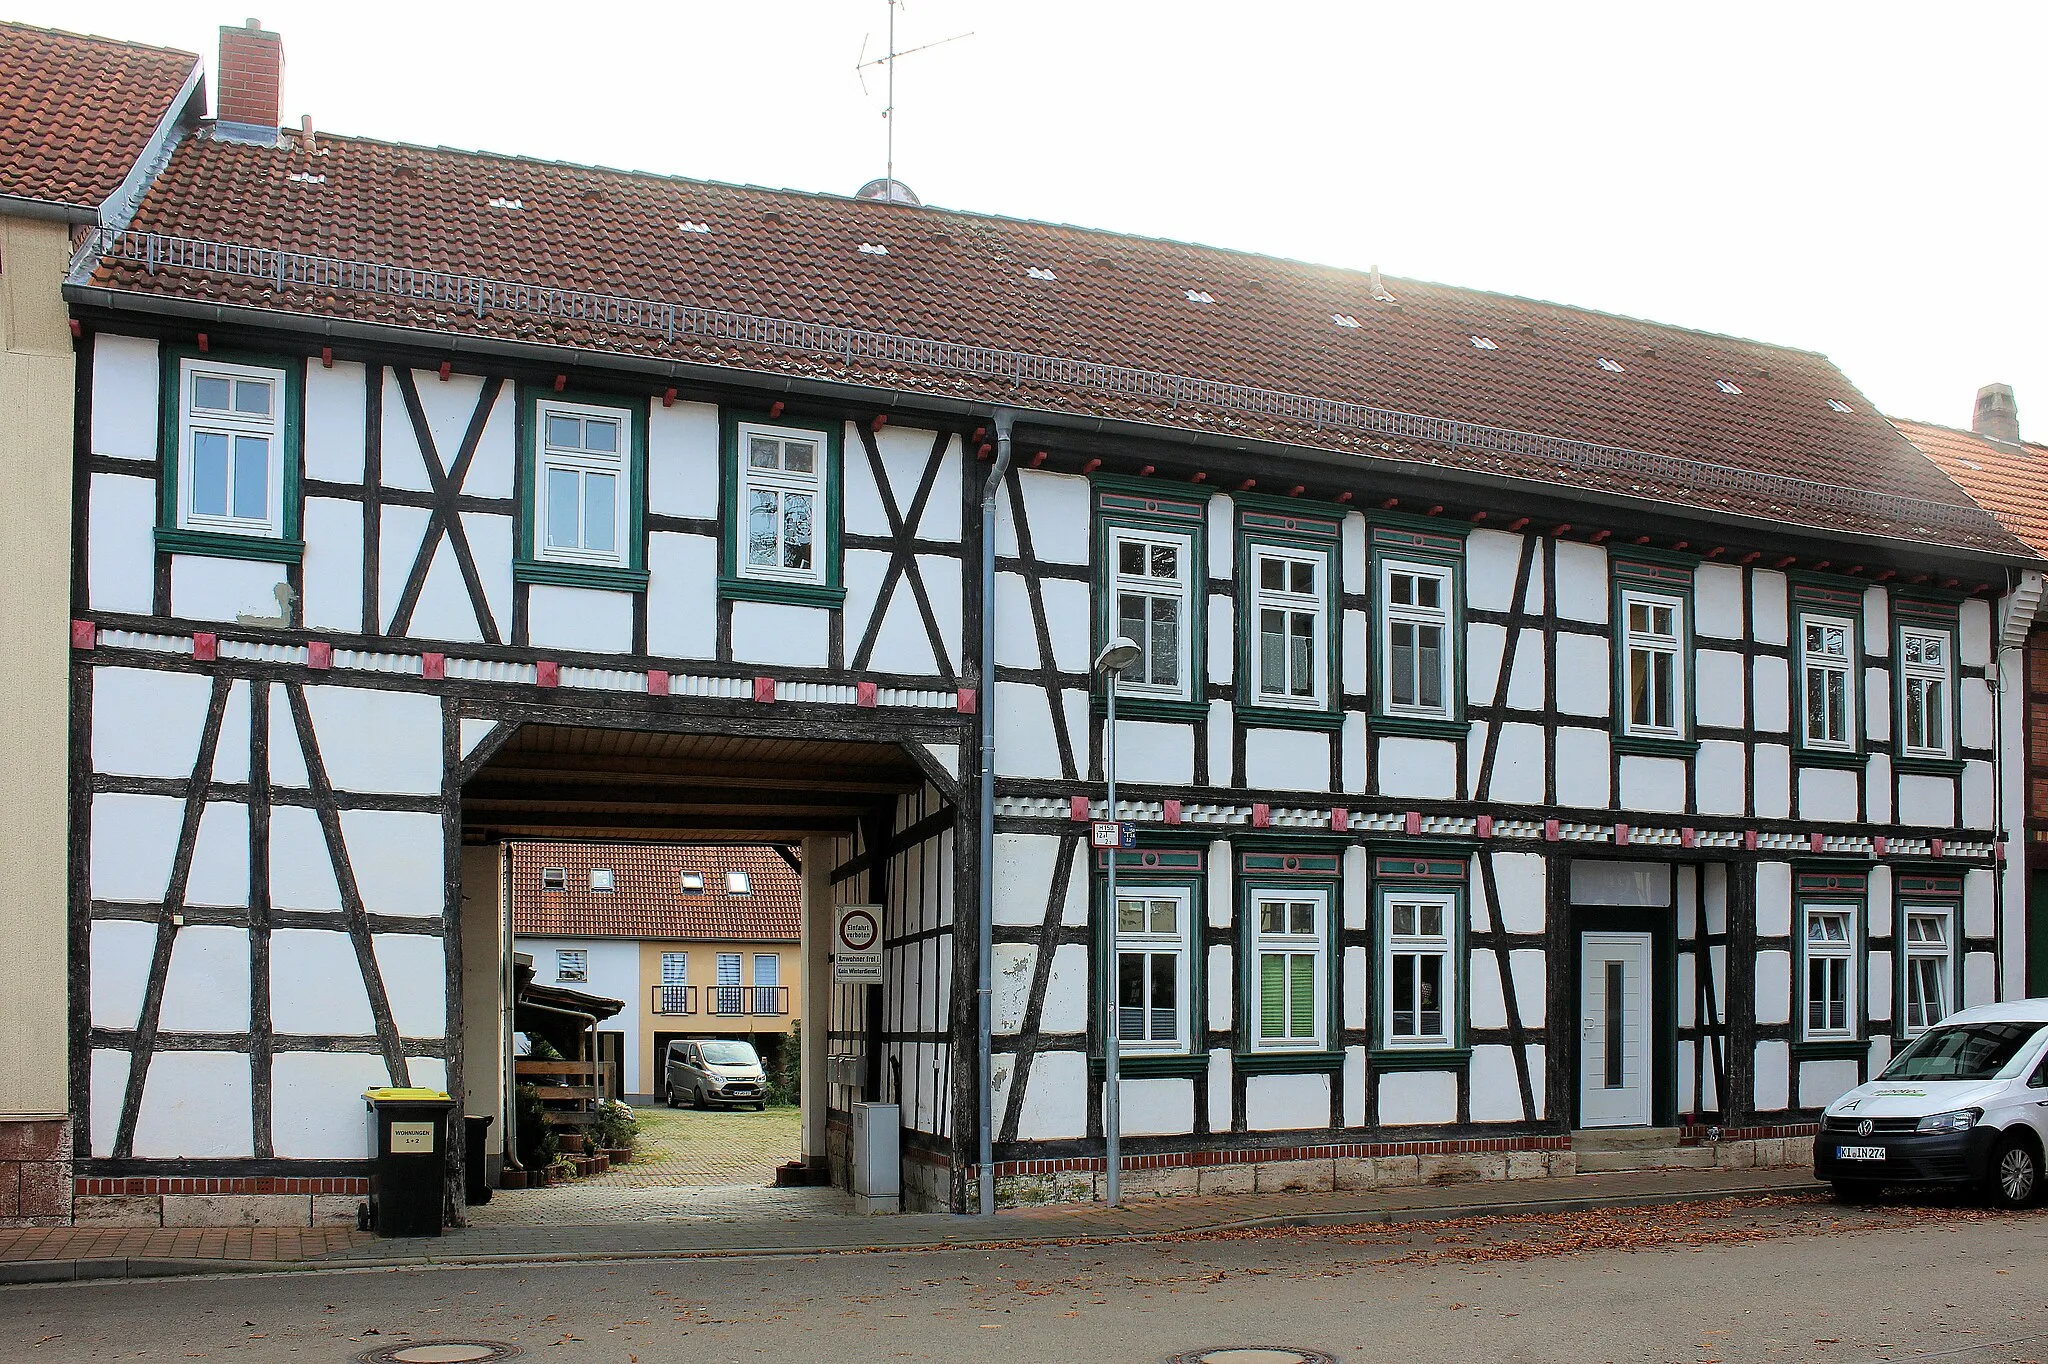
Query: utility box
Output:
(409,1145)
(876,1157)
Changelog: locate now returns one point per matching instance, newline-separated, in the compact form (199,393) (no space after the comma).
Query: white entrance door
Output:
(1614,1027)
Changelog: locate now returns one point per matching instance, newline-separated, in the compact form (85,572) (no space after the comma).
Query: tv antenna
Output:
(888,61)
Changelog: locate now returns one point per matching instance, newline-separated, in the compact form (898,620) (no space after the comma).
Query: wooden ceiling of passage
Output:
(563,782)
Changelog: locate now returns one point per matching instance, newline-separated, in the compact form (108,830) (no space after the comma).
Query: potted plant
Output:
(617,1132)
(570,1140)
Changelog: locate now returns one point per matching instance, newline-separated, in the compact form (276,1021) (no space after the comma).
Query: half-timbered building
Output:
(1544,720)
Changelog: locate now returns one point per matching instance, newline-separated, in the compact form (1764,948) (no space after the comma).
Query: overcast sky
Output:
(1863,179)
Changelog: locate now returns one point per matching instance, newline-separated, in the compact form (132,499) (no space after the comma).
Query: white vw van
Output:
(1965,1102)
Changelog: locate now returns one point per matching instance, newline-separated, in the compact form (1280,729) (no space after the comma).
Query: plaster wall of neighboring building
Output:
(613,971)
(483,995)
(704,1020)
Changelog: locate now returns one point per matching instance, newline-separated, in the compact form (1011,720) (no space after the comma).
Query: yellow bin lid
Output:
(390,1095)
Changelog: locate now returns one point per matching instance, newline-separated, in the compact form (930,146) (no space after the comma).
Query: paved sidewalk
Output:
(72,1253)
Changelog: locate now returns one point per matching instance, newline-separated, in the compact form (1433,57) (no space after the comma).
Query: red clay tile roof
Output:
(647,902)
(1776,450)
(76,112)
(2009,481)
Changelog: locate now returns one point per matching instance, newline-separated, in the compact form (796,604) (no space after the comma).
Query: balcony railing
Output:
(675,999)
(770,1001)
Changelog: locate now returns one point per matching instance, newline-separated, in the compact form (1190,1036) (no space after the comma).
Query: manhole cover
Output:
(1253,1354)
(439,1352)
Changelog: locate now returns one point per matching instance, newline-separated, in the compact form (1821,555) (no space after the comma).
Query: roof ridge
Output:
(127,43)
(2022,444)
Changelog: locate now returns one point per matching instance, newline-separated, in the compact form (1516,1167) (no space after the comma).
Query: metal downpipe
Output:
(986,848)
(507,1038)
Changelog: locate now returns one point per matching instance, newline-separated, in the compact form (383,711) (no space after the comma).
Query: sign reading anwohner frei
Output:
(857,946)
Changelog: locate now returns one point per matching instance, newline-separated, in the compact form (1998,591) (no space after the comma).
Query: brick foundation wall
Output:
(35,1172)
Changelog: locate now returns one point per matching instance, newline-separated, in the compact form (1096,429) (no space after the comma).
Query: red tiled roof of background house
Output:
(1047,290)
(2009,481)
(647,902)
(76,112)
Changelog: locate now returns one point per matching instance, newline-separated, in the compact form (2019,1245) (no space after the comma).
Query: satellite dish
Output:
(889,192)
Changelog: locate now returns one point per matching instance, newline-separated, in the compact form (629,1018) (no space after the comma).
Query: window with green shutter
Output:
(1291,947)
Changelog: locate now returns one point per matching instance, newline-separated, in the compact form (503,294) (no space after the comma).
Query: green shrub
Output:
(617,1127)
(786,1071)
(537,1144)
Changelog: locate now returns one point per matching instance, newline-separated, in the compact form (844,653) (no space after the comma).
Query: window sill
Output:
(1149,708)
(1284,717)
(1418,1058)
(1641,747)
(1821,757)
(1830,1051)
(220,545)
(579,575)
(1151,1066)
(1287,1062)
(1418,727)
(783,594)
(1929,767)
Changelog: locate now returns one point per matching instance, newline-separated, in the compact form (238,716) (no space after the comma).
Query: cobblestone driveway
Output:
(695,1146)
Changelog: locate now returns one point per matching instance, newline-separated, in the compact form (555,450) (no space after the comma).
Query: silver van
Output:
(712,1071)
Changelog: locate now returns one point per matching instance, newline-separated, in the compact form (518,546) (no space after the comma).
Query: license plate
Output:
(1859,1153)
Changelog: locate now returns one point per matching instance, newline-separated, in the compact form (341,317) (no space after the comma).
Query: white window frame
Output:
(679,976)
(1943,673)
(618,464)
(572,964)
(1842,957)
(1150,944)
(728,996)
(554,878)
(1313,946)
(1913,952)
(1315,604)
(1821,665)
(738,883)
(690,883)
(1653,644)
(603,879)
(1136,680)
(1442,946)
(1441,616)
(781,482)
(193,420)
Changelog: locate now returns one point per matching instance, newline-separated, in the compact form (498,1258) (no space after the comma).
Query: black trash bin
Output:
(476,1188)
(409,1143)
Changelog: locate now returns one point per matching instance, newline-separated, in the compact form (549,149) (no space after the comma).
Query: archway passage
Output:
(802,802)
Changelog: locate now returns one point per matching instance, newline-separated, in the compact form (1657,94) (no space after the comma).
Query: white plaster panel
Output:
(207,588)
(1351,749)
(942,589)
(1717,601)
(864,513)
(865,569)
(444,609)
(1219,1080)
(287,760)
(682,616)
(1977,903)
(1772,781)
(1353,891)
(1221,661)
(490,546)
(1584,680)
(108,1084)
(1518,765)
(1582,767)
(301,873)
(490,468)
(1425,768)
(1057,508)
(1877,623)
(120,951)
(1973,633)
(121,572)
(1055,1100)
(399,457)
(1768,621)
(1155,751)
(1022,877)
(1927,801)
(1222,537)
(1492,559)
(1354,552)
(1774,987)
(1877,703)
(905,451)
(1024,723)
(1637,885)
(1827,793)
(683,459)
(1532,987)
(1773,899)
(1773,1076)
(1879,989)
(397,860)
(1484,644)
(1016,631)
(1880,900)
(399,533)
(1688,878)
(415,973)
(1652,785)
(1293,759)
(1496,1087)
(1823,1082)
(450,405)
(579,618)
(1221,989)
(1286,1103)
(800,636)
(124,397)
(1484,999)
(1354,1087)
(1773,703)
(1973,699)
(133,841)
(1066,618)
(1415,1097)
(1353,652)
(1158,1107)
(147,723)
(333,573)
(333,437)
(1979,969)
(381,741)
(1066,990)
(1718,703)
(1219,871)
(207,986)
(1011,967)
(195,1103)
(1525,684)
(1520,879)
(317,1103)
(316,987)
(1356,963)
(220,857)
(1721,777)
(1581,582)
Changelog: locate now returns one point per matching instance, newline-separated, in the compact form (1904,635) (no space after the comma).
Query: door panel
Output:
(1614,1030)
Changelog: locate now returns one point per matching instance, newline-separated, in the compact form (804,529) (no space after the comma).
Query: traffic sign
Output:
(857,945)
(1112,833)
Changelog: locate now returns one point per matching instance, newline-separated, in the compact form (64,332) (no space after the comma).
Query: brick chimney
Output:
(1998,414)
(250,71)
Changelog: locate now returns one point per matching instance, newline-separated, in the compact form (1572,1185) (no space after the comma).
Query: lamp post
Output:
(1120,654)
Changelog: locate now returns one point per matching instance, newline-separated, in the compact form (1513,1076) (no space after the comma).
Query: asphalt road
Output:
(1766,1280)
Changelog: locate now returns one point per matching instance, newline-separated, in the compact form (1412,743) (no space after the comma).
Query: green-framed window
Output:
(583,459)
(1924,684)
(1926,950)
(1151,580)
(1827,674)
(1419,912)
(783,507)
(1287,906)
(1653,655)
(230,433)
(1149,941)
(1830,947)
(1289,601)
(1418,629)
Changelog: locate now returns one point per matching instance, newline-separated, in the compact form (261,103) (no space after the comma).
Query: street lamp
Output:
(1120,654)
